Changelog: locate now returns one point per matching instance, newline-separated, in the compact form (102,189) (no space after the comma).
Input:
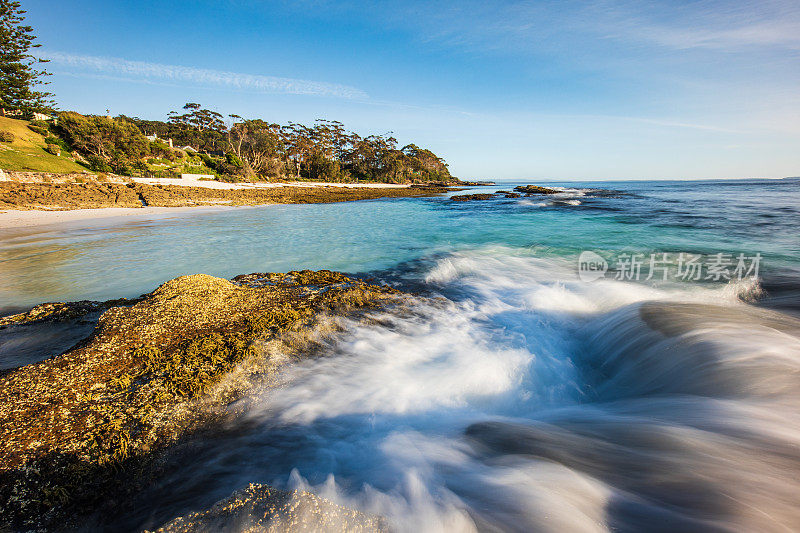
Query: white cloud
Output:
(199,76)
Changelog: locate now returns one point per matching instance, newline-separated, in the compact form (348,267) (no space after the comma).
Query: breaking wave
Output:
(519,398)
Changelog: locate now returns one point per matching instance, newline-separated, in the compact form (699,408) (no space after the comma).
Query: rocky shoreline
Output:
(259,508)
(83,429)
(94,194)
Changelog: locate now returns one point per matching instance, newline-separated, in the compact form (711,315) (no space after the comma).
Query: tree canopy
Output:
(251,149)
(19,77)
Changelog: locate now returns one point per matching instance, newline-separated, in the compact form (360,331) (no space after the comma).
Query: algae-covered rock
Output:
(468,197)
(61,196)
(260,508)
(535,189)
(147,377)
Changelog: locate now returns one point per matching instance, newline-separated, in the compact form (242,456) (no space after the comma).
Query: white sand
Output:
(19,219)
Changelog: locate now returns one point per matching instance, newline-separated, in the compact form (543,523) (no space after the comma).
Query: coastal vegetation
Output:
(23,149)
(244,149)
(194,140)
(20,79)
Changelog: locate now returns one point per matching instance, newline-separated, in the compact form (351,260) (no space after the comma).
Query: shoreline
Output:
(21,218)
(97,199)
(153,374)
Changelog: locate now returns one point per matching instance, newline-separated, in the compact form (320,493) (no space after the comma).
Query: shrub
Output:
(166,173)
(58,142)
(122,168)
(38,129)
(6,136)
(233,159)
(161,150)
(210,163)
(53,149)
(96,135)
(98,164)
(141,168)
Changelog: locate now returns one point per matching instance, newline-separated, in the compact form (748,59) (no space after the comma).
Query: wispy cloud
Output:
(721,25)
(198,76)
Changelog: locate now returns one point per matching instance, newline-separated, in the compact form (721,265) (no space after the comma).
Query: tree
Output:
(198,118)
(103,139)
(258,145)
(19,78)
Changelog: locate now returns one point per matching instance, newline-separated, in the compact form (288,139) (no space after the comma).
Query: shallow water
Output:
(524,399)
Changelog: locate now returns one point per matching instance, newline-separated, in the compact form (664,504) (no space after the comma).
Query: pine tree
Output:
(19,78)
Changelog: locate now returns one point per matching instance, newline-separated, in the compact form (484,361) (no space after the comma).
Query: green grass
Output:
(27,152)
(180,166)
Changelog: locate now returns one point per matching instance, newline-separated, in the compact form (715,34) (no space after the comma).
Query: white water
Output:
(530,401)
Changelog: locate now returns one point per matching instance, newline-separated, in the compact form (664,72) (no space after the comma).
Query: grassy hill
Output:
(26,151)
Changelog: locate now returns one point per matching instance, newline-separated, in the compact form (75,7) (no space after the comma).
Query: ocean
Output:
(619,356)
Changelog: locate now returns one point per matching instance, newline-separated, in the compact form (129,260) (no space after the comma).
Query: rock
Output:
(259,508)
(468,197)
(513,195)
(93,194)
(535,189)
(153,371)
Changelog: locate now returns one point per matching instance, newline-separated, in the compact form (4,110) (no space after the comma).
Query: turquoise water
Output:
(115,258)
(523,398)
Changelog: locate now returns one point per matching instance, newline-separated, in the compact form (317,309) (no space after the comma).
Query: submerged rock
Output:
(513,195)
(259,508)
(535,189)
(149,375)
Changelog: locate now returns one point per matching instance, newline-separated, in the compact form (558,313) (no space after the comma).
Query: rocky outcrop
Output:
(79,426)
(469,197)
(61,196)
(259,508)
(535,189)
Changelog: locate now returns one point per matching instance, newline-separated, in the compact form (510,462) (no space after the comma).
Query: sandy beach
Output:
(19,219)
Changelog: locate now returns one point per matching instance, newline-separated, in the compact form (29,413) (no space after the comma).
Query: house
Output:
(20,113)
(154,138)
(188,148)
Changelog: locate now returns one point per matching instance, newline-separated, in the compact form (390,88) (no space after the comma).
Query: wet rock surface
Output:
(88,424)
(64,196)
(261,508)
(469,197)
(535,189)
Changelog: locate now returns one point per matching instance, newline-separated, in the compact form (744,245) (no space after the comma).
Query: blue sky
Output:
(557,89)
